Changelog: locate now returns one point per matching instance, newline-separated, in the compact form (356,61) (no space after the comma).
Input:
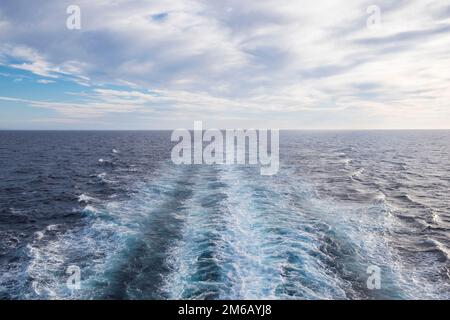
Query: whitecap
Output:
(380,198)
(105,161)
(39,235)
(346,162)
(91,209)
(357,173)
(101,175)
(85,198)
(52,227)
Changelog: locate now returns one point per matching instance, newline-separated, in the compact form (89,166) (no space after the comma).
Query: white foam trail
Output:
(253,245)
(274,257)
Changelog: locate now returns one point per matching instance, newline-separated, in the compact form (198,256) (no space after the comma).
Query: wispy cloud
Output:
(45,81)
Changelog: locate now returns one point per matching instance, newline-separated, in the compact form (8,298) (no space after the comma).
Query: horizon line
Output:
(191,129)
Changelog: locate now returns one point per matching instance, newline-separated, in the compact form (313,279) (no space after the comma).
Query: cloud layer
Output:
(287,64)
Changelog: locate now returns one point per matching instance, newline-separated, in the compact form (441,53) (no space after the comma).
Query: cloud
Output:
(45,81)
(284,61)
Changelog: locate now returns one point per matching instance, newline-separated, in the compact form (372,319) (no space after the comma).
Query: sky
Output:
(150,64)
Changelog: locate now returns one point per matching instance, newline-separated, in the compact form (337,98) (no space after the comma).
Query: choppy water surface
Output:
(140,227)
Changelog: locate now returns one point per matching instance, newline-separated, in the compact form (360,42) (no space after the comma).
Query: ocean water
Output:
(140,227)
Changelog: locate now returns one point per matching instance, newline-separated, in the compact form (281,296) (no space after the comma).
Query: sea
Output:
(344,207)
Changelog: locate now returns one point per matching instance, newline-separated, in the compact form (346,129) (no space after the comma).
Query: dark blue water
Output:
(140,227)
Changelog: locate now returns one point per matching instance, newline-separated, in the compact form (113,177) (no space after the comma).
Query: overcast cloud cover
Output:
(139,64)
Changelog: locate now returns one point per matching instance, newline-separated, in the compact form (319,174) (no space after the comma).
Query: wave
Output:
(85,198)
(105,162)
(346,162)
(357,173)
